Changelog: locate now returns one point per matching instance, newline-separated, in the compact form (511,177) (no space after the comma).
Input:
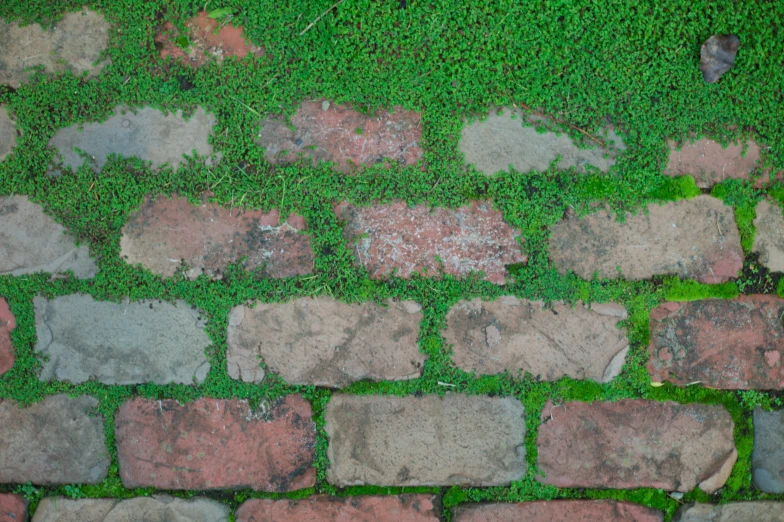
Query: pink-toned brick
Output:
(709,163)
(396,237)
(216,444)
(165,232)
(559,511)
(322,508)
(13,508)
(636,444)
(7,324)
(729,344)
(324,131)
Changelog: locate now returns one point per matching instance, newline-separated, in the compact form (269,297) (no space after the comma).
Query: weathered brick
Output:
(207,38)
(59,440)
(147,134)
(636,444)
(513,335)
(322,508)
(730,344)
(769,239)
(324,342)
(559,511)
(7,324)
(430,440)
(13,508)
(757,511)
(709,163)
(120,343)
(501,140)
(158,508)
(166,232)
(767,460)
(328,132)
(216,444)
(73,44)
(7,133)
(694,239)
(31,242)
(392,237)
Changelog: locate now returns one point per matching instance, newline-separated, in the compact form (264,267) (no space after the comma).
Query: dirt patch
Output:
(206,39)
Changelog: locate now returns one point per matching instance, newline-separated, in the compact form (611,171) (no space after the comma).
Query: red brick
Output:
(322,508)
(730,344)
(209,237)
(559,511)
(13,508)
(709,163)
(7,324)
(392,237)
(337,133)
(636,444)
(216,444)
(204,41)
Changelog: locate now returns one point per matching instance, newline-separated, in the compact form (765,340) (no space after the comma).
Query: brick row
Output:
(383,440)
(392,508)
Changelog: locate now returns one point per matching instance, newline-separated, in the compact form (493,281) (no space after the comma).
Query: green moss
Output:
(677,290)
(583,61)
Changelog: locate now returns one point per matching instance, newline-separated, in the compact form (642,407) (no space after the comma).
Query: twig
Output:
(601,143)
(314,22)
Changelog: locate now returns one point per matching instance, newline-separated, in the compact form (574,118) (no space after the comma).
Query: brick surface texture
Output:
(165,232)
(7,133)
(208,38)
(559,511)
(729,344)
(396,238)
(636,444)
(322,508)
(416,441)
(767,460)
(325,131)
(33,447)
(147,134)
(759,511)
(31,241)
(502,140)
(694,239)
(324,342)
(83,339)
(517,335)
(769,240)
(7,324)
(216,444)
(709,163)
(72,44)
(158,508)
(13,508)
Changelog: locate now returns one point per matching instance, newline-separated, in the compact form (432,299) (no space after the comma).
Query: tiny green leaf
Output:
(219,13)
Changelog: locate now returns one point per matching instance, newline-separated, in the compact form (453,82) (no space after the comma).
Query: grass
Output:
(582,62)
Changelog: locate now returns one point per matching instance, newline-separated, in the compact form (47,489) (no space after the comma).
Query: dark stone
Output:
(717,56)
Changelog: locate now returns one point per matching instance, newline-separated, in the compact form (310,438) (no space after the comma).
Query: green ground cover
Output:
(634,62)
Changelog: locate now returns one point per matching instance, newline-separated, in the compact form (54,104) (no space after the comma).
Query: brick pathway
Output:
(424,383)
